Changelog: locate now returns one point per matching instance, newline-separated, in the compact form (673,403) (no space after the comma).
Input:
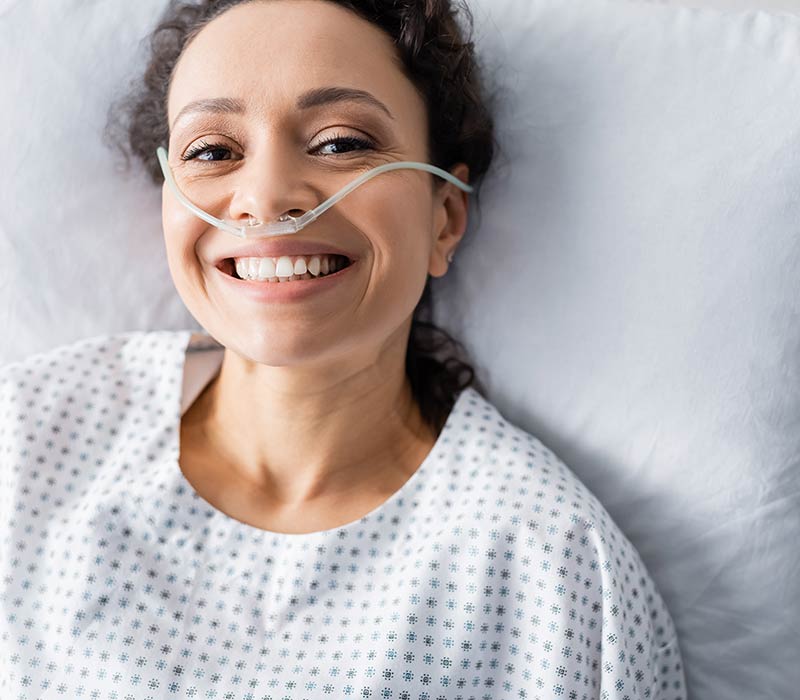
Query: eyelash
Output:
(203,147)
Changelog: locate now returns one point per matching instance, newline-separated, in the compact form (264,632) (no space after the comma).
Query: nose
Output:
(270,186)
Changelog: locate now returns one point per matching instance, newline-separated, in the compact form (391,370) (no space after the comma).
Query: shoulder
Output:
(525,472)
(95,371)
(542,494)
(86,353)
(588,585)
(67,413)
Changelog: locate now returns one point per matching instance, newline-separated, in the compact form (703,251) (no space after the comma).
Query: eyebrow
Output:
(311,98)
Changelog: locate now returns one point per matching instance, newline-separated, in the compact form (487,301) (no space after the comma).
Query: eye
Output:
(203,148)
(352,141)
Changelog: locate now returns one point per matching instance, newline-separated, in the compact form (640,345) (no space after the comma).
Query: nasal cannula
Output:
(290,224)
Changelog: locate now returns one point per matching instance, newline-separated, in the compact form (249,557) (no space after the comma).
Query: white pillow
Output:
(80,241)
(630,295)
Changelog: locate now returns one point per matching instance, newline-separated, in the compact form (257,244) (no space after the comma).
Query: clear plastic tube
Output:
(291,224)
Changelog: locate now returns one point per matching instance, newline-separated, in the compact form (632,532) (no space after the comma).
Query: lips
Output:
(277,249)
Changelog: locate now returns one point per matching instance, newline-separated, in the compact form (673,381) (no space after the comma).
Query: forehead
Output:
(266,52)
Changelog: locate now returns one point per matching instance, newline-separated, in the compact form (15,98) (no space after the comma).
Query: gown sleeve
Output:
(593,625)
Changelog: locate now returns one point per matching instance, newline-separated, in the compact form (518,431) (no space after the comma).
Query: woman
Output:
(317,505)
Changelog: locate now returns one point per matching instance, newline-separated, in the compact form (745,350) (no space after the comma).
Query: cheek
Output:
(401,255)
(181,231)
(395,221)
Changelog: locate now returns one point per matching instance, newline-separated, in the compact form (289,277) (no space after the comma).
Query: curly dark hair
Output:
(439,59)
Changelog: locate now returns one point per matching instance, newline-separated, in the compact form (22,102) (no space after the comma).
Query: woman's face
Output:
(267,160)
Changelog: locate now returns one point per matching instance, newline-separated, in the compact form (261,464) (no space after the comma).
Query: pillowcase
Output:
(80,237)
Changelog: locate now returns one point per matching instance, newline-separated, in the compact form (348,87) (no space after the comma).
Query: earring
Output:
(450,256)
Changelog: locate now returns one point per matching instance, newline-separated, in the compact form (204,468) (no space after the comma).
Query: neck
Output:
(296,443)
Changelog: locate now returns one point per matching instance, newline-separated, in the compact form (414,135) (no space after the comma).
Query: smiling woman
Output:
(308,503)
(428,48)
(320,328)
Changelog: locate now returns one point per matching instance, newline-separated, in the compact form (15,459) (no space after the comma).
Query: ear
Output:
(450,206)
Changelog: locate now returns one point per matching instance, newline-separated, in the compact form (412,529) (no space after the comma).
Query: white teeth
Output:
(266,269)
(282,269)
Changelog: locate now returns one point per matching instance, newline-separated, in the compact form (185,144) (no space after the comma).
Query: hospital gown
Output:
(491,574)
